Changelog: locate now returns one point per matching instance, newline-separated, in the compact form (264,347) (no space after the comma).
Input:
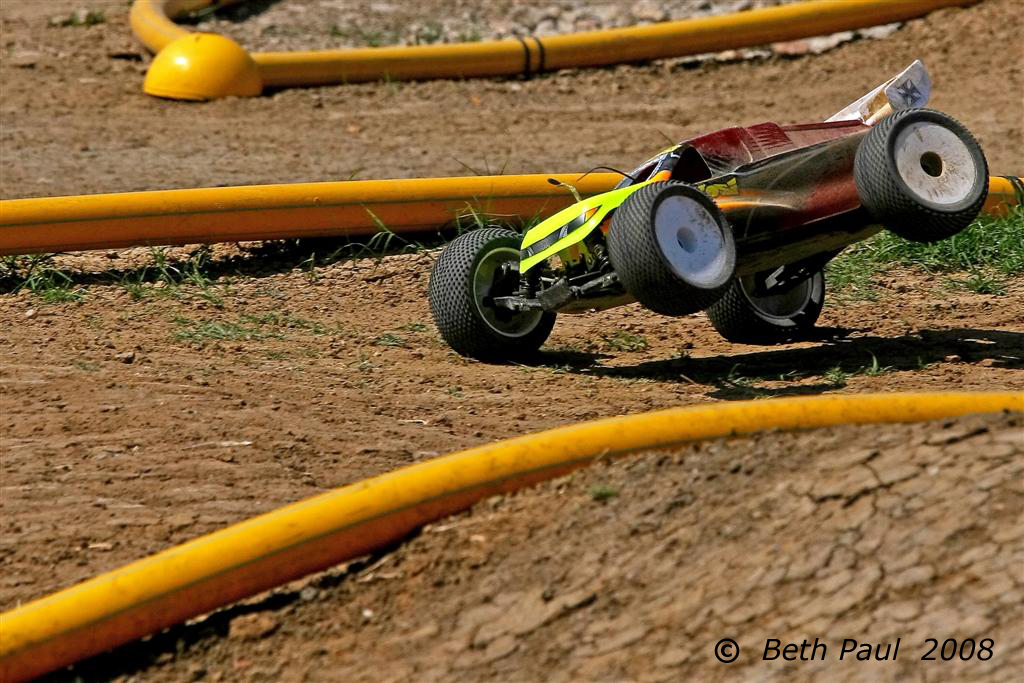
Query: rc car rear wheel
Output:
(922,175)
(672,248)
(469,273)
(742,317)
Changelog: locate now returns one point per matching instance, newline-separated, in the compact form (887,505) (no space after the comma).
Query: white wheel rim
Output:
(935,164)
(691,240)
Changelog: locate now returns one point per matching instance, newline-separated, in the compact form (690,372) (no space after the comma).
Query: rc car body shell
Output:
(777,185)
(787,191)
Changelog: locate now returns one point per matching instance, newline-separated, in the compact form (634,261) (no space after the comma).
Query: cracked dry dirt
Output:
(632,570)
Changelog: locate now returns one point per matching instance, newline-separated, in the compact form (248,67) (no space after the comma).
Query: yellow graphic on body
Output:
(727,189)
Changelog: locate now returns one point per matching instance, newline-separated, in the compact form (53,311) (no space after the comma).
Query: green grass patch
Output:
(620,340)
(37,274)
(286,321)
(602,493)
(166,278)
(202,331)
(989,251)
(81,18)
(389,339)
(248,327)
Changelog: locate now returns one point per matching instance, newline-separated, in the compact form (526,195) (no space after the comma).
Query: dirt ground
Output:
(632,571)
(76,121)
(130,425)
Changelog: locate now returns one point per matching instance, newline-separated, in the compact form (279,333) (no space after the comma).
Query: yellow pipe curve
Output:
(264,552)
(151,24)
(258,212)
(264,212)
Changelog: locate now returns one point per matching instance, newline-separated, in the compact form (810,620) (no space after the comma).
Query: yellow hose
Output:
(264,552)
(150,22)
(264,212)
(151,19)
(258,212)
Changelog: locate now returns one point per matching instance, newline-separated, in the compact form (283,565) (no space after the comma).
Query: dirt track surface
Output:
(75,120)
(633,570)
(127,426)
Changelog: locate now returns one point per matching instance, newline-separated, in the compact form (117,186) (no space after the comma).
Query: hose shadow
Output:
(203,263)
(134,658)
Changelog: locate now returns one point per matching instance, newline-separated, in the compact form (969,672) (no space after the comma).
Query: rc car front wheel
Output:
(921,174)
(471,271)
(745,318)
(672,248)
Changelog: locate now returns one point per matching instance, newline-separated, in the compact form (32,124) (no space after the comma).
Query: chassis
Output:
(738,223)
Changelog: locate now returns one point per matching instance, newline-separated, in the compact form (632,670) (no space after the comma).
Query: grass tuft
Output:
(390,339)
(80,18)
(603,493)
(990,250)
(37,274)
(620,340)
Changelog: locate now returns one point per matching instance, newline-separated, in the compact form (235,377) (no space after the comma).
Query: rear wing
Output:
(910,89)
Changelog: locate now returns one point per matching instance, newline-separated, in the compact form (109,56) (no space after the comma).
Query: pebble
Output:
(252,626)
(24,60)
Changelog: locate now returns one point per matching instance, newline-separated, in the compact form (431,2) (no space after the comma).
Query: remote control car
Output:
(738,223)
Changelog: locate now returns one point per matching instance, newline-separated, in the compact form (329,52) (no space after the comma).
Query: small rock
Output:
(904,611)
(546,27)
(672,657)
(31,313)
(252,626)
(913,576)
(180,520)
(500,648)
(620,640)
(952,435)
(953,358)
(989,363)
(126,357)
(876,32)
(821,44)
(649,10)
(24,60)
(606,15)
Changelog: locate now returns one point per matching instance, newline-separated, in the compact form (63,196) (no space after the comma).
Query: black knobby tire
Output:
(460,315)
(943,196)
(743,318)
(642,265)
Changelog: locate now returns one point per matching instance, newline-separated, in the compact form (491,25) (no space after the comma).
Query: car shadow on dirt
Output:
(785,372)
